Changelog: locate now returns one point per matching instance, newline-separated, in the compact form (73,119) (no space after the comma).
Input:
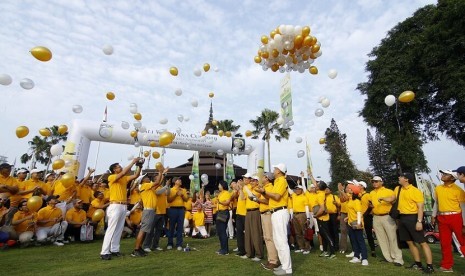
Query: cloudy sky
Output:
(149,37)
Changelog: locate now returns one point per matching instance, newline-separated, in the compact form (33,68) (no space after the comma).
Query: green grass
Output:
(83,259)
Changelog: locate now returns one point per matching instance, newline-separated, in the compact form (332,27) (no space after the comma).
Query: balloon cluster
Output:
(325,102)
(197,71)
(289,48)
(404,97)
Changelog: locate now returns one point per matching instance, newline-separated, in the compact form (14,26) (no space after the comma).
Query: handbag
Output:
(394,212)
(87,232)
(309,232)
(222,216)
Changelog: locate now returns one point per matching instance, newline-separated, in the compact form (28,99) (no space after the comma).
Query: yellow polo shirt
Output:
(136,216)
(344,206)
(134,197)
(118,188)
(311,199)
(449,198)
(177,201)
(11,181)
(383,207)
(94,205)
(265,207)
(188,204)
(62,191)
(24,226)
(365,200)
(279,187)
(330,206)
(320,200)
(148,196)
(299,202)
(408,199)
(223,196)
(241,210)
(85,193)
(47,213)
(162,202)
(76,215)
(199,219)
(353,207)
(249,204)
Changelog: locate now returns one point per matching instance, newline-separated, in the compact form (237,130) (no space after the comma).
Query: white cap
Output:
(454,174)
(36,171)
(49,174)
(247,175)
(281,167)
(377,178)
(22,171)
(139,179)
(255,177)
(363,184)
(299,187)
(312,186)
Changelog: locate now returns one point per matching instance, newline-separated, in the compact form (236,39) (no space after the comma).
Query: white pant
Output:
(25,237)
(230,225)
(116,214)
(279,221)
(56,231)
(202,231)
(187,229)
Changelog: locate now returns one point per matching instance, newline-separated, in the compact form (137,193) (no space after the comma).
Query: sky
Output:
(149,37)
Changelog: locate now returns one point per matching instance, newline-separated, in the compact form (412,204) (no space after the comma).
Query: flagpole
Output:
(98,145)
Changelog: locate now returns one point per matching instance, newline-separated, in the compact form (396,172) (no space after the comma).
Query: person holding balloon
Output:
(76,218)
(24,223)
(34,186)
(51,223)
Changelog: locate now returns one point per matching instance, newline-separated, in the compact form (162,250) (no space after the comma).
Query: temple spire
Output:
(209,124)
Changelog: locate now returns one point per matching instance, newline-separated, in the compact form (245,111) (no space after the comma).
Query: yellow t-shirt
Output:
(75,215)
(31,184)
(320,200)
(265,207)
(24,226)
(365,199)
(311,199)
(177,201)
(188,204)
(199,219)
(94,205)
(13,182)
(47,213)
(249,204)
(299,202)
(279,187)
(353,207)
(449,198)
(136,216)
(241,210)
(162,202)
(134,197)
(330,206)
(408,199)
(62,191)
(383,207)
(148,196)
(223,196)
(118,188)
(344,206)
(85,193)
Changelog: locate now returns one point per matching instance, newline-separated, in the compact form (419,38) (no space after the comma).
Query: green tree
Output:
(39,147)
(381,162)
(227,125)
(266,125)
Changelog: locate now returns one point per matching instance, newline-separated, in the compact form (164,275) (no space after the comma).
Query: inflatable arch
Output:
(84,132)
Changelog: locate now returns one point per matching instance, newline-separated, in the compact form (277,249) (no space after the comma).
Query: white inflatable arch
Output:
(83,132)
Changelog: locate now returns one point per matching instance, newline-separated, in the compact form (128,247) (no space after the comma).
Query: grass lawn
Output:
(83,259)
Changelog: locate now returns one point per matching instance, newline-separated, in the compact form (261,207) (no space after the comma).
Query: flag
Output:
(309,159)
(286,98)
(229,168)
(195,183)
(422,186)
(105,114)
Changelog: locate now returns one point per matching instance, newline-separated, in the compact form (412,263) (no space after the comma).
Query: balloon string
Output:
(397,118)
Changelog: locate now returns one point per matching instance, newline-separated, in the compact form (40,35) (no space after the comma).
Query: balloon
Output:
(319,112)
(194,103)
(67,180)
(178,130)
(124,125)
(220,133)
(300,153)
(280,121)
(321,98)
(248,148)
(218,166)
(210,131)
(216,69)
(257,59)
(235,150)
(98,215)
(58,164)
(204,178)
(138,116)
(174,71)
(107,50)
(186,119)
(215,122)
(220,152)
(211,95)
(166,138)
(111,96)
(178,92)
(22,131)
(206,67)
(406,96)
(152,144)
(332,74)
(133,108)
(203,132)
(180,118)
(163,121)
(136,144)
(298,140)
(137,124)
(41,53)
(77,108)
(191,177)
(26,83)
(5,79)
(133,134)
(390,100)
(45,132)
(34,203)
(159,166)
(248,133)
(325,103)
(62,129)
(146,153)
(264,39)
(322,141)
(238,143)
(313,70)
(197,72)
(228,134)
(156,154)
(130,157)
(56,150)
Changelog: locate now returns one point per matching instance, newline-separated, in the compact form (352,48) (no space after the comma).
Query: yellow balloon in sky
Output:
(215,122)
(248,133)
(138,116)
(22,131)
(313,70)
(406,96)
(41,53)
(159,166)
(45,132)
(228,133)
(58,164)
(206,67)
(133,134)
(152,144)
(174,71)
(111,96)
(305,31)
(322,141)
(257,59)
(156,154)
(62,129)
(211,94)
(204,132)
(220,133)
(264,39)
(166,138)
(146,153)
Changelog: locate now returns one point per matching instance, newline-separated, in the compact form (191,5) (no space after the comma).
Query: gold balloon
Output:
(322,141)
(220,133)
(305,31)
(265,55)
(98,215)
(58,164)
(206,67)
(203,133)
(272,34)
(274,67)
(228,134)
(174,71)
(314,40)
(275,53)
(152,144)
(45,132)
(166,138)
(313,70)
(111,96)
(138,116)
(34,203)
(62,129)
(146,153)
(67,180)
(211,95)
(22,131)
(41,53)
(264,39)
(315,48)
(248,133)
(156,154)
(215,122)
(133,134)
(307,41)
(159,166)
(406,96)
(298,41)
(257,59)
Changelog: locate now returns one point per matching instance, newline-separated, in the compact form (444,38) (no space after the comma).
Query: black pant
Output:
(334,230)
(73,231)
(368,224)
(325,236)
(240,236)
(221,228)
(152,238)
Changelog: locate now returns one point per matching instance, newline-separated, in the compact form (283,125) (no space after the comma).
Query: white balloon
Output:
(332,74)
(319,112)
(210,131)
(325,103)
(235,150)
(194,103)
(178,92)
(77,108)
(5,79)
(191,177)
(178,130)
(186,119)
(133,105)
(180,118)
(321,98)
(280,121)
(297,30)
(142,129)
(220,152)
(137,124)
(163,121)
(124,125)
(27,83)
(133,108)
(298,140)
(197,72)
(56,150)
(218,166)
(204,177)
(107,49)
(136,144)
(390,100)
(216,69)
(300,153)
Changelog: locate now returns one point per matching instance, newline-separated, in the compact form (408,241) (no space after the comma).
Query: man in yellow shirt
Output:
(241,211)
(333,206)
(50,223)
(9,189)
(24,224)
(176,199)
(222,217)
(253,228)
(367,216)
(385,227)
(76,218)
(34,186)
(323,222)
(116,212)
(448,213)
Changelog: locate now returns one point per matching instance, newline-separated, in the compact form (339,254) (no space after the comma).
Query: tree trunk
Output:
(269,158)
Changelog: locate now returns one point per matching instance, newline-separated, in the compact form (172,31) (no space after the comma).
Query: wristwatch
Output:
(419,221)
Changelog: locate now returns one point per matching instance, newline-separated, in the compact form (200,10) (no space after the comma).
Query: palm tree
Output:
(227,125)
(39,147)
(266,124)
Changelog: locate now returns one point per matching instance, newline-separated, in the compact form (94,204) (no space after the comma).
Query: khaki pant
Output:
(343,226)
(268,237)
(253,235)
(299,227)
(385,229)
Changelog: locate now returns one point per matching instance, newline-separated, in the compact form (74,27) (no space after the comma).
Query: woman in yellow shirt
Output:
(354,219)
(222,217)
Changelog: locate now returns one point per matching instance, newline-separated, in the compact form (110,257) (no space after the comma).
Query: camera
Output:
(140,162)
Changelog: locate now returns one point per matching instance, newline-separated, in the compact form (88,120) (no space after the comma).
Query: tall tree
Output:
(381,162)
(266,125)
(227,125)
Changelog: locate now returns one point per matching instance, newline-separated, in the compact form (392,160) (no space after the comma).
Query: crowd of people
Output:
(268,218)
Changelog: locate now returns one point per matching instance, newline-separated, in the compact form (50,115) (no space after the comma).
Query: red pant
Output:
(447,225)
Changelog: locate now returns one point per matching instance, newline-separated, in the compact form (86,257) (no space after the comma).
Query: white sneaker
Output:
(235,249)
(321,247)
(351,255)
(365,262)
(147,250)
(298,251)
(57,243)
(179,248)
(159,249)
(305,252)
(256,259)
(169,247)
(355,260)
(244,257)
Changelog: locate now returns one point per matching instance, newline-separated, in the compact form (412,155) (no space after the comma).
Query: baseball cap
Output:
(460,170)
(5,165)
(36,171)
(409,176)
(299,187)
(139,179)
(269,175)
(363,184)
(454,174)
(255,177)
(247,175)
(377,178)
(281,166)
(22,171)
(355,188)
